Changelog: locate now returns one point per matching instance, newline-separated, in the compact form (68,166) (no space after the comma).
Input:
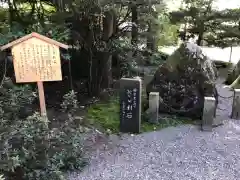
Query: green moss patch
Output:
(106,116)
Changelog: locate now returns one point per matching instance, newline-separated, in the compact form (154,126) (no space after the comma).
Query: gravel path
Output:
(181,153)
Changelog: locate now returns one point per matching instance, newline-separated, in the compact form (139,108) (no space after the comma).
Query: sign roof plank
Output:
(36,35)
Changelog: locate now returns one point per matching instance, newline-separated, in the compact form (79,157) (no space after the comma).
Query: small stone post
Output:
(147,79)
(153,107)
(236,105)
(208,113)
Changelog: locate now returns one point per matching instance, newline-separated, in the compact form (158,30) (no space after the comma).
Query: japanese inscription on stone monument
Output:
(130,105)
(36,60)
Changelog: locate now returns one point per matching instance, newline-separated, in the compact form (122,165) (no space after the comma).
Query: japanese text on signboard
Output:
(35,60)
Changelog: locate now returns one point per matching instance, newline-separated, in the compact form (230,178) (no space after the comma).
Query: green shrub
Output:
(157,58)
(29,147)
(70,103)
(14,100)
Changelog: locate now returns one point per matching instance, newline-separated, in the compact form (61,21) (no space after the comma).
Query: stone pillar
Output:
(147,79)
(208,113)
(218,120)
(153,107)
(236,105)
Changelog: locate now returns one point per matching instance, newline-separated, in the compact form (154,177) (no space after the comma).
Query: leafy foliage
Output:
(157,58)
(1,177)
(31,148)
(226,29)
(8,35)
(14,99)
(70,103)
(168,34)
(211,26)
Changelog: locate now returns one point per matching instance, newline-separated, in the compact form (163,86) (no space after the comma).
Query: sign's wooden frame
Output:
(17,43)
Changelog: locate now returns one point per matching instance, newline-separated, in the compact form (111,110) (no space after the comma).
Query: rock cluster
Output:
(183,81)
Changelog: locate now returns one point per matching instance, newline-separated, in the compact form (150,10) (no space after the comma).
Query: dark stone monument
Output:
(130,105)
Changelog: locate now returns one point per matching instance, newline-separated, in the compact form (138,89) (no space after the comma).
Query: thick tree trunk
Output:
(93,78)
(101,73)
(101,67)
(109,28)
(151,40)
(134,25)
(200,38)
(107,70)
(11,13)
(152,33)
(201,33)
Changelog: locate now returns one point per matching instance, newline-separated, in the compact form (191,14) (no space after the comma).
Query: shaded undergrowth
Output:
(106,116)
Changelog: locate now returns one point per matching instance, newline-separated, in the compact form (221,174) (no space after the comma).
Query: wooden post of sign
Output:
(41,98)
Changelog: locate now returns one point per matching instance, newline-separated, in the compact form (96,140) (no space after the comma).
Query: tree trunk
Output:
(151,39)
(93,78)
(200,38)
(94,67)
(134,25)
(11,14)
(201,33)
(230,58)
(107,70)
(109,28)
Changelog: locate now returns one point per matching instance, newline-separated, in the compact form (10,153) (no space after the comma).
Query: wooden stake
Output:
(41,98)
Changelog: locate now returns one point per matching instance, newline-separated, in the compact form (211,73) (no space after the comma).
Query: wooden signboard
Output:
(36,58)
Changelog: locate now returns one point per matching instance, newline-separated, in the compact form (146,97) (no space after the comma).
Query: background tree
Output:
(96,32)
(211,26)
(196,15)
(226,30)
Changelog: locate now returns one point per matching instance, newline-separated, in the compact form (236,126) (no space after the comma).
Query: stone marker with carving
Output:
(130,105)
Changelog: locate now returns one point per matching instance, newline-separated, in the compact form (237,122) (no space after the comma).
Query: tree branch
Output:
(125,18)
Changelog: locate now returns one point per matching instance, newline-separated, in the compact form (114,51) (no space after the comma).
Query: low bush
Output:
(70,103)
(29,147)
(156,59)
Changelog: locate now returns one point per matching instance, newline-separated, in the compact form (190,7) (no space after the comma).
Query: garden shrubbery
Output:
(30,148)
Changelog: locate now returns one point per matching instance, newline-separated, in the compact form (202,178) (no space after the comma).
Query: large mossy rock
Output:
(233,74)
(183,81)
